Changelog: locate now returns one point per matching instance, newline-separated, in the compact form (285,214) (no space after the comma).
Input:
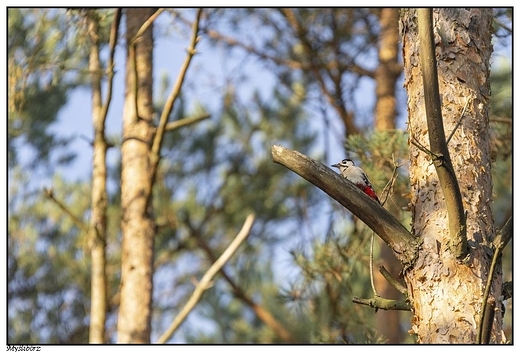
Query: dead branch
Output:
(205,282)
(384,224)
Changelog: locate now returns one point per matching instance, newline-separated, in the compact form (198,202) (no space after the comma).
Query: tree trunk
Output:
(386,75)
(137,224)
(388,70)
(98,219)
(446,295)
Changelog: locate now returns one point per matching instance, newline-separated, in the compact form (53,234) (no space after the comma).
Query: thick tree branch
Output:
(438,145)
(208,276)
(387,227)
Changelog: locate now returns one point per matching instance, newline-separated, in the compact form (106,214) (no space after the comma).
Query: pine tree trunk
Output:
(446,295)
(386,75)
(137,223)
(387,71)
(98,219)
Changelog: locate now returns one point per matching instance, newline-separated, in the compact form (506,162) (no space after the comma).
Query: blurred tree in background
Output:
(304,78)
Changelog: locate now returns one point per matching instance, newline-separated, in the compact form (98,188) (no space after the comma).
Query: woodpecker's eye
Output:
(347,163)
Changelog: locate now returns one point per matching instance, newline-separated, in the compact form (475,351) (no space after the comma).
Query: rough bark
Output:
(446,294)
(137,224)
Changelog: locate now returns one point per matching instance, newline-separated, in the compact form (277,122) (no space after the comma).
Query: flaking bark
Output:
(446,295)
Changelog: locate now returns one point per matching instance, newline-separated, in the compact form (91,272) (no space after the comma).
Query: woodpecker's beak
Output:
(335,165)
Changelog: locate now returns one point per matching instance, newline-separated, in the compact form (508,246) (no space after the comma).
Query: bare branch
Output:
(335,97)
(504,26)
(262,313)
(382,303)
(500,241)
(504,236)
(171,126)
(458,122)
(384,224)
(393,281)
(48,192)
(132,57)
(423,149)
(486,323)
(438,145)
(134,83)
(390,184)
(505,120)
(296,65)
(146,25)
(371,265)
(114,30)
(168,107)
(206,279)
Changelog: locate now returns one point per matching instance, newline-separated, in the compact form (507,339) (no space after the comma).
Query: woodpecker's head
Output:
(344,164)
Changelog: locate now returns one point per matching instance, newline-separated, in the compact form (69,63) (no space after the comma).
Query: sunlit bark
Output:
(446,293)
(137,224)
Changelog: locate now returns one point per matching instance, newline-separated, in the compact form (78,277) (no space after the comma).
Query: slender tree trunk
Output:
(388,71)
(446,294)
(137,224)
(385,112)
(98,219)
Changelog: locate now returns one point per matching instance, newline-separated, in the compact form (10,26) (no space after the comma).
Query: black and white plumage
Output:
(357,176)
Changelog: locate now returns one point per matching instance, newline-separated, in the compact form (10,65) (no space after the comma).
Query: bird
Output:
(357,176)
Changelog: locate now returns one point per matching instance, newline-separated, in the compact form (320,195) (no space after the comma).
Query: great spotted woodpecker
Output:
(357,176)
